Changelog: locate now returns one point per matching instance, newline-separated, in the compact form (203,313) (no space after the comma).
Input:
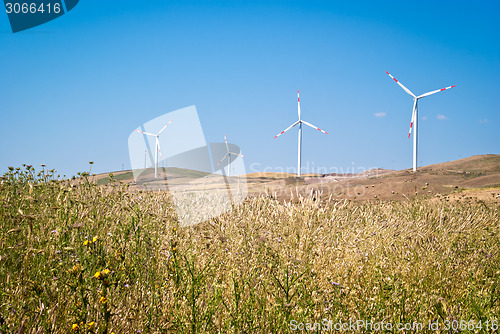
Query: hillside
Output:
(476,174)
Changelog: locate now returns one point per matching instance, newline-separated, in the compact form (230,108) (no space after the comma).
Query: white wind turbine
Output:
(157,145)
(228,155)
(414,115)
(299,122)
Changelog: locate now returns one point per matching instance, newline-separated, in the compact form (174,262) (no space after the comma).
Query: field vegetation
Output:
(79,257)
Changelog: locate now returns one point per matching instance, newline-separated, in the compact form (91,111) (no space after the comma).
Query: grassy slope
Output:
(252,270)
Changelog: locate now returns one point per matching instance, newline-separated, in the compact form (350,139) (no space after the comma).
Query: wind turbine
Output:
(414,115)
(228,155)
(157,145)
(299,122)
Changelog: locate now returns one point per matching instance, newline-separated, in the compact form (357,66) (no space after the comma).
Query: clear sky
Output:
(72,90)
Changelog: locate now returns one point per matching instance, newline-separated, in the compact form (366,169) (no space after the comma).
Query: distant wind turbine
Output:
(414,115)
(157,145)
(228,156)
(299,122)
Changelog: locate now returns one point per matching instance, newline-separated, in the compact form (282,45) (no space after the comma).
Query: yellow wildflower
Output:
(103,300)
(75,327)
(106,271)
(98,275)
(75,269)
(87,242)
(95,238)
(90,324)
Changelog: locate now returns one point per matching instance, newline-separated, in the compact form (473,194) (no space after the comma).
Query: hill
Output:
(474,173)
(478,175)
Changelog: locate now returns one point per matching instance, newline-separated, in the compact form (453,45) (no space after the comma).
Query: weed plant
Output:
(77,257)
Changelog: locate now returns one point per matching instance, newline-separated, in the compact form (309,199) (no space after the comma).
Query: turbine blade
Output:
(146,133)
(413,116)
(227,146)
(224,157)
(298,102)
(240,155)
(282,132)
(164,127)
(158,143)
(436,91)
(314,127)
(402,86)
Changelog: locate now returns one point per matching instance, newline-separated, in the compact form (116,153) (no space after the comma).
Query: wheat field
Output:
(78,257)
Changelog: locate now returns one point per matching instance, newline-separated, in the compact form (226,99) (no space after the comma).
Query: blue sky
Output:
(72,90)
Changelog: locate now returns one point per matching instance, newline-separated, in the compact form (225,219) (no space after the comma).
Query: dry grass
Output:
(252,270)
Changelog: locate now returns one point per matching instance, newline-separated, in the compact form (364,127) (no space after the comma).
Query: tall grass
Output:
(100,259)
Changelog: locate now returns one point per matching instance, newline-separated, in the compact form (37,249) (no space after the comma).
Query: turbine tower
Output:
(299,122)
(228,155)
(414,116)
(157,145)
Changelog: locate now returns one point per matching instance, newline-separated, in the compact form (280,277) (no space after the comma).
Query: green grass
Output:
(117,177)
(148,175)
(252,270)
